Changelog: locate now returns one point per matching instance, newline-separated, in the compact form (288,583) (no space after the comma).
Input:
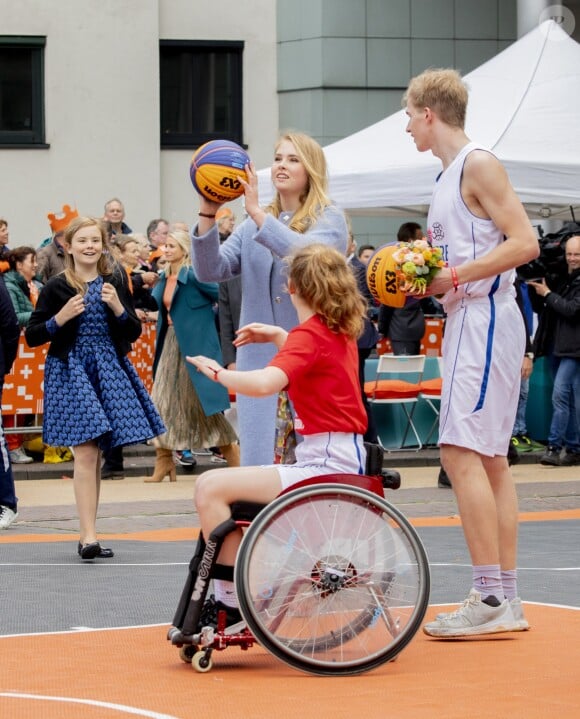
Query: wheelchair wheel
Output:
(332,579)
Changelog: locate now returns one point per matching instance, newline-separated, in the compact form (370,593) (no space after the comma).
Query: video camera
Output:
(551,264)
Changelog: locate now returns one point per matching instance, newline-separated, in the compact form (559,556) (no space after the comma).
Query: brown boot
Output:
(231,453)
(164,465)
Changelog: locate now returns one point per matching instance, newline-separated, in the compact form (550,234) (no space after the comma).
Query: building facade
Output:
(109,98)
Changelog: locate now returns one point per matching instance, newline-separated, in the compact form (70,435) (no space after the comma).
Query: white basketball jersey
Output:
(461,235)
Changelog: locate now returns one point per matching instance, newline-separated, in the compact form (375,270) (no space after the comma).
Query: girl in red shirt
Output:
(317,364)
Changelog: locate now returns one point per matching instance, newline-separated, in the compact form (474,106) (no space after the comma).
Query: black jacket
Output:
(56,293)
(9,332)
(559,324)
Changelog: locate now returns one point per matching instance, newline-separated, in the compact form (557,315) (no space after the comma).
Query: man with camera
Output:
(559,333)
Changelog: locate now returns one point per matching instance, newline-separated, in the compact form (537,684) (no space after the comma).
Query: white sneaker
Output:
(19,456)
(7,516)
(518,612)
(474,617)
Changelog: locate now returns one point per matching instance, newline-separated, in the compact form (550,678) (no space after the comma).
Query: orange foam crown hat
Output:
(60,222)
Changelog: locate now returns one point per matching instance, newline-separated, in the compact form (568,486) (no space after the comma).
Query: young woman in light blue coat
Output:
(300,214)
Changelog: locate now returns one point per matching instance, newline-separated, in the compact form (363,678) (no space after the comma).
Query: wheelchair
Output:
(331,578)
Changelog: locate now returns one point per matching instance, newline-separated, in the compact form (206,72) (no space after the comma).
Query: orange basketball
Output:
(215,169)
(384,280)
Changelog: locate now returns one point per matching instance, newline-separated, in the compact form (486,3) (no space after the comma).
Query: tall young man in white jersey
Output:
(482,227)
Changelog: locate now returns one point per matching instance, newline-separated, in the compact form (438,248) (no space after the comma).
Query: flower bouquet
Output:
(417,264)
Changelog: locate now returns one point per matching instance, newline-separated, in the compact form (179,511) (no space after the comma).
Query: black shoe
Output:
(94,551)
(107,473)
(570,459)
(551,456)
(443,480)
(209,614)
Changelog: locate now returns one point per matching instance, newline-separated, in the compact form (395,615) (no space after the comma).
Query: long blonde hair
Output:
(321,276)
(104,266)
(315,197)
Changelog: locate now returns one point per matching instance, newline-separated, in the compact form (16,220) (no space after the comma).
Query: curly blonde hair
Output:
(104,265)
(315,198)
(322,277)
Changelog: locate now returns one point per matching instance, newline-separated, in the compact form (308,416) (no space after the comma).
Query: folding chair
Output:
(431,393)
(396,391)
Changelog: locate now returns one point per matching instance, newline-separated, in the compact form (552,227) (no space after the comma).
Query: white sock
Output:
(225,592)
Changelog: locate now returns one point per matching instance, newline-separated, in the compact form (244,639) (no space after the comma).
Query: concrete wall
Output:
(102,106)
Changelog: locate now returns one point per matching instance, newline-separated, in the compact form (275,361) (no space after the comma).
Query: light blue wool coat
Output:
(258,256)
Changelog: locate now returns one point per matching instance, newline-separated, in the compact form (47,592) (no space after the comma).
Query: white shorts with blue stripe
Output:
(483,351)
(324,453)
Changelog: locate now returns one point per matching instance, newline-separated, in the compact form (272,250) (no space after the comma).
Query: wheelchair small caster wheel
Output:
(186,653)
(201,662)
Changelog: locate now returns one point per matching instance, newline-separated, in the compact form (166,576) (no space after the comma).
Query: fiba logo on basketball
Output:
(215,170)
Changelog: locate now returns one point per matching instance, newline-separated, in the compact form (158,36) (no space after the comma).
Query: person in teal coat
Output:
(190,404)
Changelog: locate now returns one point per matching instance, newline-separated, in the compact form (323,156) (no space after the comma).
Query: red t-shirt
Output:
(323,384)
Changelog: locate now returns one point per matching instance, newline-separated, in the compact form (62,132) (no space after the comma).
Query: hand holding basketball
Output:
(216,169)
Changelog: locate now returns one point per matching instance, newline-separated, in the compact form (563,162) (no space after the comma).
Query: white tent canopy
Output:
(524,105)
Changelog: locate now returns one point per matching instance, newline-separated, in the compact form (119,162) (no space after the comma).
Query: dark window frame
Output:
(197,136)
(35,136)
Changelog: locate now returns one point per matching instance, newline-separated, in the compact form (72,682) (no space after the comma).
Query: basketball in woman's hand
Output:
(215,169)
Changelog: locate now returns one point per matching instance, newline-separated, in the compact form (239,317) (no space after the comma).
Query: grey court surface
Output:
(45,587)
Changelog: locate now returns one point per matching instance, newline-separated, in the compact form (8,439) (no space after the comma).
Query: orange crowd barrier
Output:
(24,386)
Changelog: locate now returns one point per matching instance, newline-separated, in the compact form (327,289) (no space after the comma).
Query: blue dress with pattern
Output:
(95,394)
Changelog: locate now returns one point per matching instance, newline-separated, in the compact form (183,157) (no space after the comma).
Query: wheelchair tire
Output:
(332,579)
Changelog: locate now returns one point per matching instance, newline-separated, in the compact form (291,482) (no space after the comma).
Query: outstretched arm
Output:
(255,383)
(258,332)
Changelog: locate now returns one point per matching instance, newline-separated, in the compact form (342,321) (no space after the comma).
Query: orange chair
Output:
(431,393)
(396,391)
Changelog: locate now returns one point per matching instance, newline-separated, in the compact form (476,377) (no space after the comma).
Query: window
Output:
(22,91)
(201,92)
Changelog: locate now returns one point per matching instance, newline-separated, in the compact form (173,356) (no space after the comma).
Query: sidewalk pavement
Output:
(46,500)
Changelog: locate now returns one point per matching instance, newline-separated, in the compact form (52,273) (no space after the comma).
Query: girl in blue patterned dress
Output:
(93,397)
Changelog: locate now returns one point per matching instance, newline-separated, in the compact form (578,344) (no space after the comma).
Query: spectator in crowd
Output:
(9,335)
(404,326)
(367,342)
(144,251)
(191,406)
(4,250)
(520,441)
(157,231)
(140,283)
(93,397)
(226,221)
(484,232)
(24,288)
(51,253)
(115,216)
(301,213)
(563,314)
(317,362)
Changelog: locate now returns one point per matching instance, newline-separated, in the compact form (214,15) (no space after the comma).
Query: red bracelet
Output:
(209,217)
(216,372)
(454,278)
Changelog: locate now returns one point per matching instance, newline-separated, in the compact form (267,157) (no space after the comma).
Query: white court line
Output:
(91,702)
(81,630)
